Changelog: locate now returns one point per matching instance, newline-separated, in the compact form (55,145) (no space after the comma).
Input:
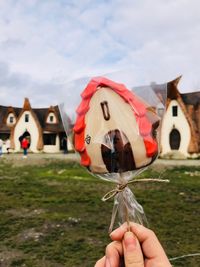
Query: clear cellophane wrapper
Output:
(115,129)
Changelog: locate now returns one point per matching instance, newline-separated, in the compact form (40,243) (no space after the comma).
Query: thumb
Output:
(133,256)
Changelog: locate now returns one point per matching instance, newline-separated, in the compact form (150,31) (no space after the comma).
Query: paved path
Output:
(34,159)
(180,162)
(37,159)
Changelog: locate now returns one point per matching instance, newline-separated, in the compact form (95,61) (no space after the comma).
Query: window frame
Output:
(174,111)
(51,118)
(11,119)
(26,118)
(49,139)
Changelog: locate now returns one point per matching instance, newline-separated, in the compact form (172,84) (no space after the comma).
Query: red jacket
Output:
(25,143)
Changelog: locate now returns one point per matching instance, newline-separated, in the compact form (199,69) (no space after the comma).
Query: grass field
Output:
(52,215)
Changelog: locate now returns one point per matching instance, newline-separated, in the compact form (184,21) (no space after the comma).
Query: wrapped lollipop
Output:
(116,134)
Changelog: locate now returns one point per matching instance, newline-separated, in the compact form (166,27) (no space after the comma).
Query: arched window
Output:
(175,139)
(51,118)
(11,119)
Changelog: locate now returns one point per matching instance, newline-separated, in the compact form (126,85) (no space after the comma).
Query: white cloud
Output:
(44,43)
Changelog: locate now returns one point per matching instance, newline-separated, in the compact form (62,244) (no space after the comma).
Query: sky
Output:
(46,44)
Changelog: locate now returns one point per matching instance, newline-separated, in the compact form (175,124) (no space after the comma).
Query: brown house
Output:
(180,133)
(43,127)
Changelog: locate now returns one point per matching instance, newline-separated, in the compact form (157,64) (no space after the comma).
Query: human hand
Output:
(128,250)
(140,248)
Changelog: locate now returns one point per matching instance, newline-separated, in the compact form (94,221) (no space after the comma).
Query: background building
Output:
(42,126)
(180,131)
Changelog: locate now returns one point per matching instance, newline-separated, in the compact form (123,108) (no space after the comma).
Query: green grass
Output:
(53,215)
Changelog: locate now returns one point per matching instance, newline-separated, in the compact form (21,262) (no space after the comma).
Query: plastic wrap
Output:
(115,130)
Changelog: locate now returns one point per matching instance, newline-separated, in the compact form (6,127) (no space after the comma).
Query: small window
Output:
(4,136)
(174,111)
(51,118)
(26,117)
(11,119)
(49,139)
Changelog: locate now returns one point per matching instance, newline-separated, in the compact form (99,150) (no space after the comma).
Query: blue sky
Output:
(46,43)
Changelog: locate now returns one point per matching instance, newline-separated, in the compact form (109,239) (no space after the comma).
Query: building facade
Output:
(179,137)
(180,131)
(43,127)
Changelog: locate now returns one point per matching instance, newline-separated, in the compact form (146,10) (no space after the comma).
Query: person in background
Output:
(139,247)
(8,146)
(1,146)
(64,143)
(24,145)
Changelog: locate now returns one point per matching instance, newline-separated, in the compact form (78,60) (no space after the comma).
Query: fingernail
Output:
(117,230)
(108,263)
(130,241)
(113,232)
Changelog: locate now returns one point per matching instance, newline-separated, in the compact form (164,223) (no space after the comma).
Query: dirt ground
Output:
(41,159)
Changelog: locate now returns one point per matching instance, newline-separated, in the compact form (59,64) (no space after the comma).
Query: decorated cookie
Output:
(114,131)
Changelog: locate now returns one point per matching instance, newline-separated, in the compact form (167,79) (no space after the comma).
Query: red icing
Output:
(79,125)
(126,95)
(151,146)
(145,126)
(90,89)
(139,110)
(85,159)
(138,107)
(83,107)
(79,141)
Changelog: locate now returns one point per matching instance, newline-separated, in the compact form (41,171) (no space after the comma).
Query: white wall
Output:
(181,124)
(4,149)
(23,126)
(31,127)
